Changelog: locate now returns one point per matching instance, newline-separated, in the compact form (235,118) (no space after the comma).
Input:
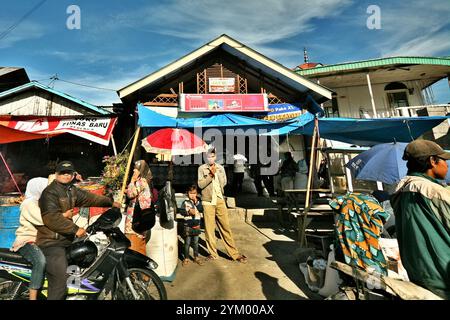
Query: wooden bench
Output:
(403,289)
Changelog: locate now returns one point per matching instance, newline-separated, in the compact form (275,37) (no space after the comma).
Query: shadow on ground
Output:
(272,290)
(283,254)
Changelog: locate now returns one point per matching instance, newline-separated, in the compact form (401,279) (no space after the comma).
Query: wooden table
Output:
(294,199)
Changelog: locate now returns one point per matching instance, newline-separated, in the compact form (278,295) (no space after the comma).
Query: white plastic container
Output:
(332,279)
(163,248)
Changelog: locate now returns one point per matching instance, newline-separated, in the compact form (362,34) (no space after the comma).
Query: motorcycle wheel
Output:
(9,290)
(147,284)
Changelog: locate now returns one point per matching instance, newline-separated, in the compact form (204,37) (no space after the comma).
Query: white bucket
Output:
(332,279)
(163,248)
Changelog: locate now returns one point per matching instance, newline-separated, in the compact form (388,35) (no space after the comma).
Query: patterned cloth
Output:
(358,227)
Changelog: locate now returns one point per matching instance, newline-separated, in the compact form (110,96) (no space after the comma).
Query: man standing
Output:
(238,173)
(422,217)
(211,180)
(59,231)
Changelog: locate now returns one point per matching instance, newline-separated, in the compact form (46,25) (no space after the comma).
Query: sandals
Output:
(185,262)
(211,257)
(198,261)
(241,259)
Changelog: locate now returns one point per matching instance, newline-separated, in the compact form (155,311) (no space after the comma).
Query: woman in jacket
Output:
(25,242)
(30,216)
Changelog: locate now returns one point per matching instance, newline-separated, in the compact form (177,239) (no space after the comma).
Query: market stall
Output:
(14,129)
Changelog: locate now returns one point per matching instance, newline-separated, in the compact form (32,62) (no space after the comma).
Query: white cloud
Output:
(103,57)
(25,31)
(427,45)
(114,81)
(253,22)
(415,28)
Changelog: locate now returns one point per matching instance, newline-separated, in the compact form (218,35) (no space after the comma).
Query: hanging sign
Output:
(98,130)
(221,84)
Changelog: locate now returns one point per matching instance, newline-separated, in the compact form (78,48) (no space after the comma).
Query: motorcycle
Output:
(100,267)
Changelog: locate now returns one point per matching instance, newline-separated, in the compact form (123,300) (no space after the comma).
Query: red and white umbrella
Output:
(173,142)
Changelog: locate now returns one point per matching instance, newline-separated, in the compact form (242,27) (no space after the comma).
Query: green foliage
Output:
(114,171)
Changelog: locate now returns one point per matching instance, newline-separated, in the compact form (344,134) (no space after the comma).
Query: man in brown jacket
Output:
(211,180)
(58,231)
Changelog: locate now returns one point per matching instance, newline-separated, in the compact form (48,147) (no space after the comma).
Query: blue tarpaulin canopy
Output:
(151,119)
(227,120)
(295,125)
(363,132)
(369,132)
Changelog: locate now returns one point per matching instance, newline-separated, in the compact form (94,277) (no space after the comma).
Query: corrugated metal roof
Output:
(35,84)
(443,61)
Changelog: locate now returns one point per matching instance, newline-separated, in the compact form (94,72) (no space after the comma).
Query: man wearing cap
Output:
(422,217)
(58,231)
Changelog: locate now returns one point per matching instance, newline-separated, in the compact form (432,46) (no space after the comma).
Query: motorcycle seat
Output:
(13,258)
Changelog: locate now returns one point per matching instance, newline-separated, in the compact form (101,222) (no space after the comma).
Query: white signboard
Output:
(221,84)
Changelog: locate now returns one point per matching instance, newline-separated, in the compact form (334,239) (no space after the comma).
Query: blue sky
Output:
(122,41)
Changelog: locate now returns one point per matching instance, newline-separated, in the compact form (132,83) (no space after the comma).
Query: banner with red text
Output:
(97,130)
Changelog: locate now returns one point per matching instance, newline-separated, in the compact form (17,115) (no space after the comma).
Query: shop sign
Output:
(221,84)
(98,130)
(223,102)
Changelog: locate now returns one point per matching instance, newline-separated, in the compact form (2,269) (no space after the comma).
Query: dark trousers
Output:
(187,244)
(238,179)
(56,269)
(268,183)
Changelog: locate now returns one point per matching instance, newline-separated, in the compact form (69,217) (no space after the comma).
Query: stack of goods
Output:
(94,187)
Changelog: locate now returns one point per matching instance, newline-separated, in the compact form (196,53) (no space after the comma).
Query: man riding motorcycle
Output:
(58,232)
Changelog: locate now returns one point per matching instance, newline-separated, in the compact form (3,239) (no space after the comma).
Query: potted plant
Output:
(114,172)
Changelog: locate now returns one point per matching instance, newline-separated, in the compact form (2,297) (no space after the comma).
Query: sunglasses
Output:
(67,173)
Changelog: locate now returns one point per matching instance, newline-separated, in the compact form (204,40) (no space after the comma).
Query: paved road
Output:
(270,274)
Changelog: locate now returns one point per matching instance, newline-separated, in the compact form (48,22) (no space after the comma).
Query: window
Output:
(397,94)
(333,110)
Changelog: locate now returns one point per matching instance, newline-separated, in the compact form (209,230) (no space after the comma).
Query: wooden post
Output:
(170,169)
(10,173)
(130,159)
(348,173)
(113,145)
(371,96)
(302,223)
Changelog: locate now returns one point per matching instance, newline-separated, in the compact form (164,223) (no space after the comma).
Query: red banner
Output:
(98,130)
(223,102)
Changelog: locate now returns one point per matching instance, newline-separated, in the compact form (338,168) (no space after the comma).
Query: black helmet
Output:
(82,253)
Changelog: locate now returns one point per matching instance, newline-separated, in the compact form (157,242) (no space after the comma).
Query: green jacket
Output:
(422,219)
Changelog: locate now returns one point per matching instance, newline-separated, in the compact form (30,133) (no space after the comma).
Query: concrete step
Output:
(237,213)
(262,215)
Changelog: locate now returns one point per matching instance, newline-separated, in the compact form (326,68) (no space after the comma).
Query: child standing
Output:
(193,212)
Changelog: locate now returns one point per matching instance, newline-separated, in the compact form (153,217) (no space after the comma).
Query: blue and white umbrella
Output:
(382,162)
